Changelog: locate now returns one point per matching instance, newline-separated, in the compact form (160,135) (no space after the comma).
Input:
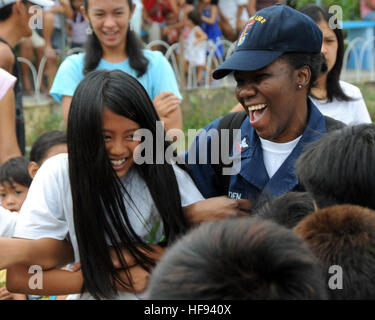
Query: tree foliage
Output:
(350,8)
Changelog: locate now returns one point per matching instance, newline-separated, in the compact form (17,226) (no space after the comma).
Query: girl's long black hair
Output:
(98,194)
(334,89)
(94,51)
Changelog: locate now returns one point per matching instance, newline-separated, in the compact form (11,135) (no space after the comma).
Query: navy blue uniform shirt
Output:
(251,180)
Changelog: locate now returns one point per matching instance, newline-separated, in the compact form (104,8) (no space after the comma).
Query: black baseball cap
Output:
(268,34)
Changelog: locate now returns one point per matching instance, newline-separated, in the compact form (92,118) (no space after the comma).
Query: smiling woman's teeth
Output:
(257,107)
(118,162)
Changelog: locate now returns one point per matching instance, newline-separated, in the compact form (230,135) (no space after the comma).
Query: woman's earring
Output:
(89,30)
(299,86)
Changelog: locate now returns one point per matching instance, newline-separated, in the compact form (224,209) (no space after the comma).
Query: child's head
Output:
(124,11)
(171,18)
(195,17)
(332,46)
(240,258)
(340,167)
(14,183)
(17,15)
(76,5)
(106,111)
(47,145)
(123,40)
(287,209)
(333,40)
(343,238)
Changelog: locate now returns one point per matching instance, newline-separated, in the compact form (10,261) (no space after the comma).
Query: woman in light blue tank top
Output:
(113,45)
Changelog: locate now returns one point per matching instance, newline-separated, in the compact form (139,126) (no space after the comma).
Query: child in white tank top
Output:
(195,45)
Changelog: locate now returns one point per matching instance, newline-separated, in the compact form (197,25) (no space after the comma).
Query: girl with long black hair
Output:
(334,98)
(113,210)
(113,45)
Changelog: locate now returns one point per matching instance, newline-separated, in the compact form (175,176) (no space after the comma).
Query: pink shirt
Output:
(365,9)
(6,81)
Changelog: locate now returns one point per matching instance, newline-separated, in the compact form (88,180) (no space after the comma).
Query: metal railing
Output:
(357,73)
(187,78)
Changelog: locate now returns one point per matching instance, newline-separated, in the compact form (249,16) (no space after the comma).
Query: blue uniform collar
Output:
(249,151)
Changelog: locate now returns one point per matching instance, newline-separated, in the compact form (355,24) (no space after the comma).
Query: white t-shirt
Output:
(8,220)
(229,9)
(48,213)
(274,154)
(136,19)
(7,81)
(195,54)
(79,28)
(350,112)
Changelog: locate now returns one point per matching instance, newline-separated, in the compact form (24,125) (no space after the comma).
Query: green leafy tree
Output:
(350,7)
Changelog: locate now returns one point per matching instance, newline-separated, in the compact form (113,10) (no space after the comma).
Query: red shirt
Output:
(162,8)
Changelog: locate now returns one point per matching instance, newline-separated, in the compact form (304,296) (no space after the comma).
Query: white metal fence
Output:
(358,50)
(187,78)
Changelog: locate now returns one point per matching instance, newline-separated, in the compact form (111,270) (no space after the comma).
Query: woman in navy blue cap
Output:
(276,61)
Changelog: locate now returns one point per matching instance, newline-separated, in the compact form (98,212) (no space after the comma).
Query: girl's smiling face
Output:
(269,96)
(110,21)
(12,195)
(118,133)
